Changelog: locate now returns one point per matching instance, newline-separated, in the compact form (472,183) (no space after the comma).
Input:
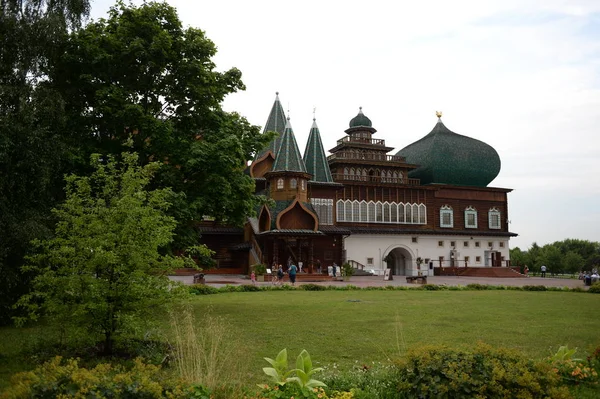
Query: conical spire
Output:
(275,123)
(314,156)
(288,156)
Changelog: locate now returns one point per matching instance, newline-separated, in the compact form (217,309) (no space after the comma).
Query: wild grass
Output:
(207,352)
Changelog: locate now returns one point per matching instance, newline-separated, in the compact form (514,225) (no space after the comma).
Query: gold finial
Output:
(438,114)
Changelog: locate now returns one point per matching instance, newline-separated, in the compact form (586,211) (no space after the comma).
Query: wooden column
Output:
(311,262)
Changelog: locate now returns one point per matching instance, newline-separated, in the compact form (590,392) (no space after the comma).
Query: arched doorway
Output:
(400,262)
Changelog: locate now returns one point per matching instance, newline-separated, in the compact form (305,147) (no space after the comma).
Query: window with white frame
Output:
(293,184)
(377,212)
(280,184)
(470,218)
(494,218)
(446,216)
(324,209)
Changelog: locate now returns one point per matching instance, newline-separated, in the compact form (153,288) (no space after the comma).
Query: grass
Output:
(344,327)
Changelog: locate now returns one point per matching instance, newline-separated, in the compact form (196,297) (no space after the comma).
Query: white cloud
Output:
(521,75)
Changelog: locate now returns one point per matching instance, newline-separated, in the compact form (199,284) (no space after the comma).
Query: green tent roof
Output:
(314,156)
(288,157)
(275,123)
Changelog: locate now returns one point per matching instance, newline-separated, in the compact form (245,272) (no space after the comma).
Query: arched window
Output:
(446,216)
(395,176)
(303,184)
(340,211)
(401,218)
(379,212)
(364,215)
(348,211)
(400,178)
(280,184)
(386,212)
(346,173)
(408,213)
(415,213)
(470,218)
(355,211)
(293,184)
(422,214)
(371,206)
(494,218)
(394,213)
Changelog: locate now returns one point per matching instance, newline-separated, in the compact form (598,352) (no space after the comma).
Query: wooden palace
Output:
(426,207)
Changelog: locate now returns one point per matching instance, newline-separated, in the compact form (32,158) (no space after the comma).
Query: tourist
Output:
(280,274)
(318,266)
(526,270)
(543,270)
(292,273)
(253,277)
(334,267)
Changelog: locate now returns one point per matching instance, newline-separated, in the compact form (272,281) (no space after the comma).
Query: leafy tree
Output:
(103,273)
(553,259)
(140,73)
(33,155)
(573,262)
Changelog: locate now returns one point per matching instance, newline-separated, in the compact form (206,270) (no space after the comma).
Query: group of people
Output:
(588,277)
(278,272)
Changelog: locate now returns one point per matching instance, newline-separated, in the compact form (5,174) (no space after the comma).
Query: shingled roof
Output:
(288,157)
(314,157)
(275,123)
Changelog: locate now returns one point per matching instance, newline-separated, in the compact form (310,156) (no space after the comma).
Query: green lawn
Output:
(346,326)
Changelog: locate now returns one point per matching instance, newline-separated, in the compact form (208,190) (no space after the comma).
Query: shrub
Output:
(437,371)
(595,288)
(313,287)
(202,289)
(249,288)
(534,288)
(364,381)
(58,378)
(478,287)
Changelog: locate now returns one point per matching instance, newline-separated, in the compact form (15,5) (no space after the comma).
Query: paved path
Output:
(377,281)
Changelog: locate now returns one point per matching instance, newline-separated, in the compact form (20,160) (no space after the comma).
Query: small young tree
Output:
(103,273)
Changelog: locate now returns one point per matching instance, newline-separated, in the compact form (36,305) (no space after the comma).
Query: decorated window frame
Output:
(494,218)
(446,216)
(470,218)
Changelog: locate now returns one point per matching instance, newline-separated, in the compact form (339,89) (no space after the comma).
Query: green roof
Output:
(445,157)
(288,157)
(275,123)
(360,120)
(314,156)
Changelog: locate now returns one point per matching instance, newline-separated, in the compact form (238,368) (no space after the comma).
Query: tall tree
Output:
(102,272)
(33,155)
(140,73)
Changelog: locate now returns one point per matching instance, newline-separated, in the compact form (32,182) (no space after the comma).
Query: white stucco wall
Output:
(362,247)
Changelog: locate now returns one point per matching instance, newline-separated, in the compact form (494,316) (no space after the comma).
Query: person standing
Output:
(253,278)
(334,269)
(292,273)
(543,270)
(526,271)
(318,266)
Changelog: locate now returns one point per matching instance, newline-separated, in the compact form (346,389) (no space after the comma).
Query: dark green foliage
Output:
(366,381)
(534,288)
(249,288)
(595,288)
(203,289)
(313,287)
(33,154)
(434,287)
(438,371)
(567,256)
(478,287)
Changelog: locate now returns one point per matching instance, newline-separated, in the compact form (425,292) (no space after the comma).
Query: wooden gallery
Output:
(426,208)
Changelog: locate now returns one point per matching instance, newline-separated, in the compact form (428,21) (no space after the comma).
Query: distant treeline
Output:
(567,256)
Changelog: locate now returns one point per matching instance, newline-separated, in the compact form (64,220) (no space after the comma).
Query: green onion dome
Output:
(445,157)
(360,120)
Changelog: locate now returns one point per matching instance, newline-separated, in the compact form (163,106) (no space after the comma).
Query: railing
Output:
(356,265)
(361,140)
(256,248)
(366,156)
(376,179)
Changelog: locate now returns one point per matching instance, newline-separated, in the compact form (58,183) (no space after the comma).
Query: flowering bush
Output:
(289,391)
(573,370)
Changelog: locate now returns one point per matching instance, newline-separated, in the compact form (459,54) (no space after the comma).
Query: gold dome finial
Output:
(438,114)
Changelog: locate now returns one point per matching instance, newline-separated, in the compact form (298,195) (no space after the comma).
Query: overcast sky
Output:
(520,75)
